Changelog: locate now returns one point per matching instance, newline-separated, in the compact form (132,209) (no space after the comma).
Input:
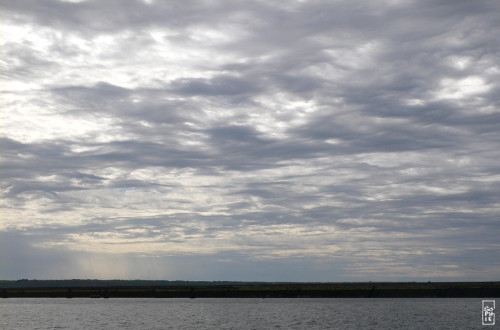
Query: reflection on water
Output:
(216,313)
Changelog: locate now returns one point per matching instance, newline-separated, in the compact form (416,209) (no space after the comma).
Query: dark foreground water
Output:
(235,313)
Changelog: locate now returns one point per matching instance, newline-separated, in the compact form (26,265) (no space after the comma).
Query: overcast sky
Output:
(250,140)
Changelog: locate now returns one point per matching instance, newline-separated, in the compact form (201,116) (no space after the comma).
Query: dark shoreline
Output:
(181,289)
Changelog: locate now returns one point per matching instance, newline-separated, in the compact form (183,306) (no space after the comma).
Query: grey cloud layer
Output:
(284,130)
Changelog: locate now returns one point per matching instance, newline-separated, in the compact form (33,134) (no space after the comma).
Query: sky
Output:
(250,140)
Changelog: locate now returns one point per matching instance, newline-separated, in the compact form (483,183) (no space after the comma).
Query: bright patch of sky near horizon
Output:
(290,140)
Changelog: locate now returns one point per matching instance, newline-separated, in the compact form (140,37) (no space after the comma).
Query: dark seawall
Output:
(165,289)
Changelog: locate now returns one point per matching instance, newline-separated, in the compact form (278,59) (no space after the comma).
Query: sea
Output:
(241,313)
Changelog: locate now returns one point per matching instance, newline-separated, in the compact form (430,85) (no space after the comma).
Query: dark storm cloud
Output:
(104,99)
(264,131)
(223,85)
(104,17)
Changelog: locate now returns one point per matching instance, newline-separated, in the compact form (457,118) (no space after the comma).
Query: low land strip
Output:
(183,289)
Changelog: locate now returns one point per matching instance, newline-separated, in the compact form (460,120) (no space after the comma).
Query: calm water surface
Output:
(251,313)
